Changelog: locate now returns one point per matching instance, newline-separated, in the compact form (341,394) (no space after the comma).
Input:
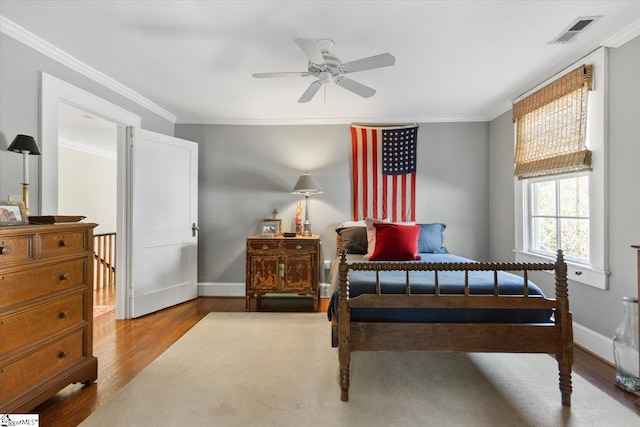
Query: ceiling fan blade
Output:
(355,87)
(377,61)
(285,74)
(310,92)
(310,48)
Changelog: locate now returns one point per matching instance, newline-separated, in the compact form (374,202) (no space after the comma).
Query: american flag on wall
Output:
(384,172)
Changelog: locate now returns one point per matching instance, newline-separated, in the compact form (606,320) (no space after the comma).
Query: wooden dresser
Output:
(46,312)
(282,265)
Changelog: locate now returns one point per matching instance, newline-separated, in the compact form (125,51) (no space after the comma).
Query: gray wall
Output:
(20,69)
(596,309)
(248,171)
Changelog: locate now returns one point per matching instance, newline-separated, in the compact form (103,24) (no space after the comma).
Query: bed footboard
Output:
(551,338)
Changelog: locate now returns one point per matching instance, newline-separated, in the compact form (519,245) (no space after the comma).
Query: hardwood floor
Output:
(125,347)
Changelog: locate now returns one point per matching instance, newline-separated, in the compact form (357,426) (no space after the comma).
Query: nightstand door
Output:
(298,272)
(266,272)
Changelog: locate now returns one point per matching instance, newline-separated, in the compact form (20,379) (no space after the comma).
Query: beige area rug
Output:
(278,369)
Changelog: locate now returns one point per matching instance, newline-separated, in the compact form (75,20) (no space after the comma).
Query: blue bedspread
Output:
(451,282)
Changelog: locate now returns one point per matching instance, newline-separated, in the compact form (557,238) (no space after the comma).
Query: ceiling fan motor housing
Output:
(327,71)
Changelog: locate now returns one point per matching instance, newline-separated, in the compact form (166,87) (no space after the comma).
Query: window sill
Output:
(575,272)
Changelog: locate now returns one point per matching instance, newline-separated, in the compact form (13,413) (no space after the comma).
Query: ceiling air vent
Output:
(575,28)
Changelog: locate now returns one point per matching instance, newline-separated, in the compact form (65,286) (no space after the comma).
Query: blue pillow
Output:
(431,239)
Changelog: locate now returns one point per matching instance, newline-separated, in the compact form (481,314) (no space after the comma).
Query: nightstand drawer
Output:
(55,244)
(299,245)
(24,285)
(27,327)
(264,245)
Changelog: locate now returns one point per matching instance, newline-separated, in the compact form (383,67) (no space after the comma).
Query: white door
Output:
(164,217)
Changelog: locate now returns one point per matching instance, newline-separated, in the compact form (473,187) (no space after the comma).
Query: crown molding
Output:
(325,121)
(27,38)
(500,110)
(623,36)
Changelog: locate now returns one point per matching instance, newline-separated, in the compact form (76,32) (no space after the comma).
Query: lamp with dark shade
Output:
(307,184)
(26,145)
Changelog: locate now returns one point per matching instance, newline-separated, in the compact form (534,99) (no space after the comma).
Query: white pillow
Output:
(353,224)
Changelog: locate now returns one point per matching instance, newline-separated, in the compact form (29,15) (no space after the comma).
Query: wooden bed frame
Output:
(552,338)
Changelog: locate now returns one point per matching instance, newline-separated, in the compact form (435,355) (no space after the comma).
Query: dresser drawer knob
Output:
(265,247)
(4,250)
(62,354)
(64,243)
(65,276)
(63,314)
(298,246)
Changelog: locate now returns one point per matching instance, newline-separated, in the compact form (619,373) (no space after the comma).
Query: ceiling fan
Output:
(328,68)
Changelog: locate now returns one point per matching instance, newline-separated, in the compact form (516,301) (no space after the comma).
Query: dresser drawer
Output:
(19,286)
(299,245)
(264,245)
(15,249)
(35,368)
(55,244)
(27,327)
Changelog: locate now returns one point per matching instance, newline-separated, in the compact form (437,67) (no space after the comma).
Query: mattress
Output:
(450,282)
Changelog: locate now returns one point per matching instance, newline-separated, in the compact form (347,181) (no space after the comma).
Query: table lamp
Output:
(307,184)
(26,145)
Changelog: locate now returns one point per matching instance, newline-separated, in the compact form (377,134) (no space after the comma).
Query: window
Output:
(560,190)
(559,217)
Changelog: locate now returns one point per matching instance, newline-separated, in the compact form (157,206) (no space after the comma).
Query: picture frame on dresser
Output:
(12,213)
(270,227)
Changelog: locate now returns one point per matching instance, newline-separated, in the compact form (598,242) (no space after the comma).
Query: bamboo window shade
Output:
(551,127)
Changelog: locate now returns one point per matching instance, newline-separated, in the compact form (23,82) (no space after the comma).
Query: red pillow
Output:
(396,242)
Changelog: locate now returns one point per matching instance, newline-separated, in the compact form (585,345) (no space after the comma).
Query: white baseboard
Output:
(221,289)
(594,342)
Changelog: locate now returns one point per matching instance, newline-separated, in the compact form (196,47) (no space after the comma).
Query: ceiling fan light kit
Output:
(328,68)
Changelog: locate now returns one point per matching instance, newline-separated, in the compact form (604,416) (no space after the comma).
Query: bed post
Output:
(344,326)
(564,320)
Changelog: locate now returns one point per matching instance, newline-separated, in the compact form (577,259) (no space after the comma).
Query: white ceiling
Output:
(455,60)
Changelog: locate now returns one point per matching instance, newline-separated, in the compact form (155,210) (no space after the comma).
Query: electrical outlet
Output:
(325,289)
(14,198)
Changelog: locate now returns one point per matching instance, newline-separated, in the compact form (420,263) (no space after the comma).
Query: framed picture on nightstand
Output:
(270,227)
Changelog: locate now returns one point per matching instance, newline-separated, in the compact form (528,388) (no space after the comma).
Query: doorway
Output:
(147,235)
(53,92)
(87,186)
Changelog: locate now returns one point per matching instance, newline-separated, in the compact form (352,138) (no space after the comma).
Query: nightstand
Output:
(282,265)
